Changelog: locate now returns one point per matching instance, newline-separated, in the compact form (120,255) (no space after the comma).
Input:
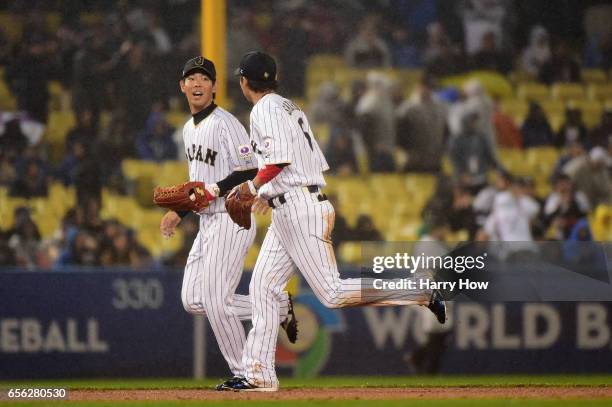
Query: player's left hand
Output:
(243,191)
(260,206)
(239,203)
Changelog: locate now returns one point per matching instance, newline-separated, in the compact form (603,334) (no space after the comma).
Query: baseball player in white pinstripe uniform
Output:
(220,155)
(290,178)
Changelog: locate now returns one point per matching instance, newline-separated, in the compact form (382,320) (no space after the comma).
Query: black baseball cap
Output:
(257,66)
(202,64)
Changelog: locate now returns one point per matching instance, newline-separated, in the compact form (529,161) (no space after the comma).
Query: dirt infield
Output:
(518,392)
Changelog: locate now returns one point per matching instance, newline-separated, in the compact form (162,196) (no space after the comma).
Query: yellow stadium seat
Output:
(331,184)
(512,159)
(318,74)
(293,285)
(57,190)
(143,191)
(134,169)
(251,257)
(419,185)
(58,97)
(600,91)
(321,74)
(461,235)
(47,225)
(409,209)
(7,101)
(312,89)
(321,132)
(345,76)
(567,91)
(6,215)
(402,228)
(601,224)
(591,110)
(556,121)
(553,108)
(7,210)
(177,118)
(533,91)
(408,77)
(541,160)
(171,245)
(447,166)
(350,252)
(59,125)
(122,208)
(39,205)
(515,108)
(263,222)
(594,76)
(171,173)
(150,242)
(542,188)
(518,77)
(146,218)
(326,61)
(59,205)
(106,118)
(322,66)
(385,184)
(148,235)
(90,19)
(494,83)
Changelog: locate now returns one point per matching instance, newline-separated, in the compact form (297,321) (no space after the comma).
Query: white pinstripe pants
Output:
(212,273)
(299,238)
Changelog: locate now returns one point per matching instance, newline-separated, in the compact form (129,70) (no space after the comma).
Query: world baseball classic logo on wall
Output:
(317,325)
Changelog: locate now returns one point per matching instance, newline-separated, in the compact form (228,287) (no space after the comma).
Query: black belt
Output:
(281,198)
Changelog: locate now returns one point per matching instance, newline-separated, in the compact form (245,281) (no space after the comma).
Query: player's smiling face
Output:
(199,89)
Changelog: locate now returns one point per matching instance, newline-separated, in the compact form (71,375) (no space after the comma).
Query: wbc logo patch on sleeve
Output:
(245,151)
(267,147)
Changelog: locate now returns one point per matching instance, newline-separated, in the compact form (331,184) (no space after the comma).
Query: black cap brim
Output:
(198,68)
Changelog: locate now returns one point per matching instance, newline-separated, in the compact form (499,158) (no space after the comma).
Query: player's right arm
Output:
(169,223)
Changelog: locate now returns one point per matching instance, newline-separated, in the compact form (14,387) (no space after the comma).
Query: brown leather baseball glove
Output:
(238,205)
(189,196)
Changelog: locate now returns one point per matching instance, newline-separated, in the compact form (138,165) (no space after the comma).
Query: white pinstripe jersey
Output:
(216,147)
(280,133)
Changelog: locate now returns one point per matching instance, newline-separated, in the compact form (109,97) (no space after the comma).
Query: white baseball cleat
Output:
(244,385)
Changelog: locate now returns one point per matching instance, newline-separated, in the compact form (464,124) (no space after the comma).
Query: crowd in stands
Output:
(486,36)
(421,130)
(84,239)
(120,68)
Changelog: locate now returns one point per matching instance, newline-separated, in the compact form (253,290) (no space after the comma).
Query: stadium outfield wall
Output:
(128,324)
